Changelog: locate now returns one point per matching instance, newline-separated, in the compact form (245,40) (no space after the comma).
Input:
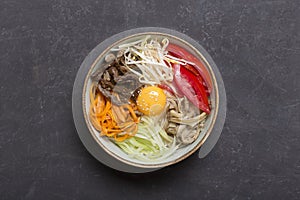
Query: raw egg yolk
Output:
(151,100)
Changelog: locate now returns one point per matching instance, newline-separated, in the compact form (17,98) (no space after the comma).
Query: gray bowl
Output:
(100,147)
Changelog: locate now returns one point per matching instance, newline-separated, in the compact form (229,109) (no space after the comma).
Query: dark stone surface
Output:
(256,45)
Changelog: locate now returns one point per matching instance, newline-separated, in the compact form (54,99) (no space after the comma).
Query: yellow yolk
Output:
(151,100)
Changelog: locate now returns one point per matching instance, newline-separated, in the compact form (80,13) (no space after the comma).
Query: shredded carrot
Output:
(132,113)
(105,120)
(120,139)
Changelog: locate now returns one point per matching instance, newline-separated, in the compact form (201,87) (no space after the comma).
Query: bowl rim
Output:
(160,32)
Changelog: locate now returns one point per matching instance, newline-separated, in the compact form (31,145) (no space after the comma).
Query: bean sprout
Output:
(149,57)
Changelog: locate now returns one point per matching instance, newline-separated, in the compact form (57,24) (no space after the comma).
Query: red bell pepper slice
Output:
(182,53)
(198,75)
(189,85)
(170,90)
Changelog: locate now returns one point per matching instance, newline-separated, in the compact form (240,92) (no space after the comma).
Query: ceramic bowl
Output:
(112,155)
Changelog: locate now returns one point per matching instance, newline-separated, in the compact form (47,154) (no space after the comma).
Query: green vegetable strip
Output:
(149,144)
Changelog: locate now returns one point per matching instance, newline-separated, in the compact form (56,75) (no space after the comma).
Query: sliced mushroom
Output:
(188,136)
(115,80)
(120,53)
(109,58)
(172,130)
(189,121)
(119,114)
(113,71)
(123,69)
(106,76)
(175,114)
(172,125)
(172,104)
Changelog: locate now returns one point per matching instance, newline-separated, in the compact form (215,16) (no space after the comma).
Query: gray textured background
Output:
(256,45)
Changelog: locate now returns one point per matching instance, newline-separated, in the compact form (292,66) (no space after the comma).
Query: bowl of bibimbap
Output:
(148,97)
